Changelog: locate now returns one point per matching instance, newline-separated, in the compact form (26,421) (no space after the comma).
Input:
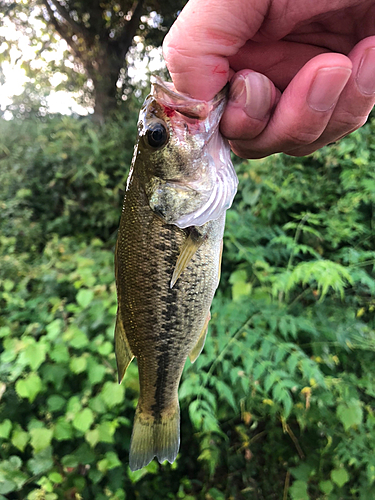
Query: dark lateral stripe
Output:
(170,322)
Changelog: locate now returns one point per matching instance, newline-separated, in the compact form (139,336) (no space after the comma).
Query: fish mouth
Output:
(166,94)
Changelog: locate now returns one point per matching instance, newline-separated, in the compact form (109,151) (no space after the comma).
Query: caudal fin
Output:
(152,437)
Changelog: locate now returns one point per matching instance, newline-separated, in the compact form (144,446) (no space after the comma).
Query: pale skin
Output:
(302,73)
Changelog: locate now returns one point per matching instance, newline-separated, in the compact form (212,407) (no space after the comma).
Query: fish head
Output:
(183,159)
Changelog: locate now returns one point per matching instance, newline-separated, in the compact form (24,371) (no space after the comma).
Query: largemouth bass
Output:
(168,256)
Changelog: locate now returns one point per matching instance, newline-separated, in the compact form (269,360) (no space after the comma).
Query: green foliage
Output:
(280,404)
(63,176)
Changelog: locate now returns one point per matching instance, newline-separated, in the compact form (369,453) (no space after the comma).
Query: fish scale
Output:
(166,276)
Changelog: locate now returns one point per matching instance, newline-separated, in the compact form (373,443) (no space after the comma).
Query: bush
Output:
(280,402)
(63,176)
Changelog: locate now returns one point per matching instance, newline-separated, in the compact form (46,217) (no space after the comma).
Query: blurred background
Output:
(280,404)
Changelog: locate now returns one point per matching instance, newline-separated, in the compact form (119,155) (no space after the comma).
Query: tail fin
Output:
(151,437)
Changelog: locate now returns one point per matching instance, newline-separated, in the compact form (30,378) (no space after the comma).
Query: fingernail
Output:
(366,72)
(252,92)
(327,87)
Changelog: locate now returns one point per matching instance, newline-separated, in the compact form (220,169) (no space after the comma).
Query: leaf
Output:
(5,428)
(240,289)
(63,430)
(8,285)
(40,438)
(112,394)
(11,477)
(259,370)
(215,494)
(298,491)
(78,365)
(92,437)
(326,487)
(340,476)
(29,387)
(270,380)
(55,477)
(225,392)
(350,414)
(287,403)
(240,286)
(7,486)
(293,361)
(20,439)
(137,475)
(41,462)
(60,354)
(84,297)
(73,406)
(54,329)
(5,331)
(96,371)
(55,403)
(105,349)
(110,461)
(34,354)
(327,274)
(83,420)
(79,338)
(303,472)
(106,431)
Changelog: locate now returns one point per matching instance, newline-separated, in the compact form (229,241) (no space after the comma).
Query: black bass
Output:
(168,255)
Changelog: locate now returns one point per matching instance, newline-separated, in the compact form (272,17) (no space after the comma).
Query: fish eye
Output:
(156,135)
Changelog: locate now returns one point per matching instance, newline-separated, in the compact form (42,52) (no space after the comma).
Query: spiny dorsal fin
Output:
(197,349)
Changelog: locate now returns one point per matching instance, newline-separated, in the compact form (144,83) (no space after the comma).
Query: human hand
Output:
(303,73)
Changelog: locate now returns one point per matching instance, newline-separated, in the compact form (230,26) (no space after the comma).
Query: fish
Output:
(168,255)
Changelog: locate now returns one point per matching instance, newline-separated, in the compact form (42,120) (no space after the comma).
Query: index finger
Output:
(205,34)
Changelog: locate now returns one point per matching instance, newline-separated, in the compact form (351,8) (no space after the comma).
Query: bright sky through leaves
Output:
(15,77)
(61,101)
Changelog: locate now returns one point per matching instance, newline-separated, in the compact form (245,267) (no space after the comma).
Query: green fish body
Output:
(168,256)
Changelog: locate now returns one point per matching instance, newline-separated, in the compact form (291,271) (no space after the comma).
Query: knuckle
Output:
(346,122)
(299,137)
(245,151)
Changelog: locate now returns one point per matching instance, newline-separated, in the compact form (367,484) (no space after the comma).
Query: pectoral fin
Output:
(220,259)
(124,355)
(197,349)
(191,245)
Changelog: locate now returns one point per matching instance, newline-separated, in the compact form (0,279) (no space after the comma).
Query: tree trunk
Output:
(104,72)
(101,55)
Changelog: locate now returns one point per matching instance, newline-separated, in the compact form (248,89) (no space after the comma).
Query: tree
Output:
(98,34)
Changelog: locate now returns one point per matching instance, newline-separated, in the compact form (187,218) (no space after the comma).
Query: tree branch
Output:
(130,29)
(76,27)
(61,30)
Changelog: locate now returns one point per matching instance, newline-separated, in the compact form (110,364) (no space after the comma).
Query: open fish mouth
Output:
(165,93)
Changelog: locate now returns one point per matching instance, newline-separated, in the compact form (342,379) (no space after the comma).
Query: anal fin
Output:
(197,349)
(124,354)
(190,246)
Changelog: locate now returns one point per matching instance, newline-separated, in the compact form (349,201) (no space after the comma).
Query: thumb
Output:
(205,34)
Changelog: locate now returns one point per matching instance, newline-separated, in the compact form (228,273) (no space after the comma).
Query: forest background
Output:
(280,404)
